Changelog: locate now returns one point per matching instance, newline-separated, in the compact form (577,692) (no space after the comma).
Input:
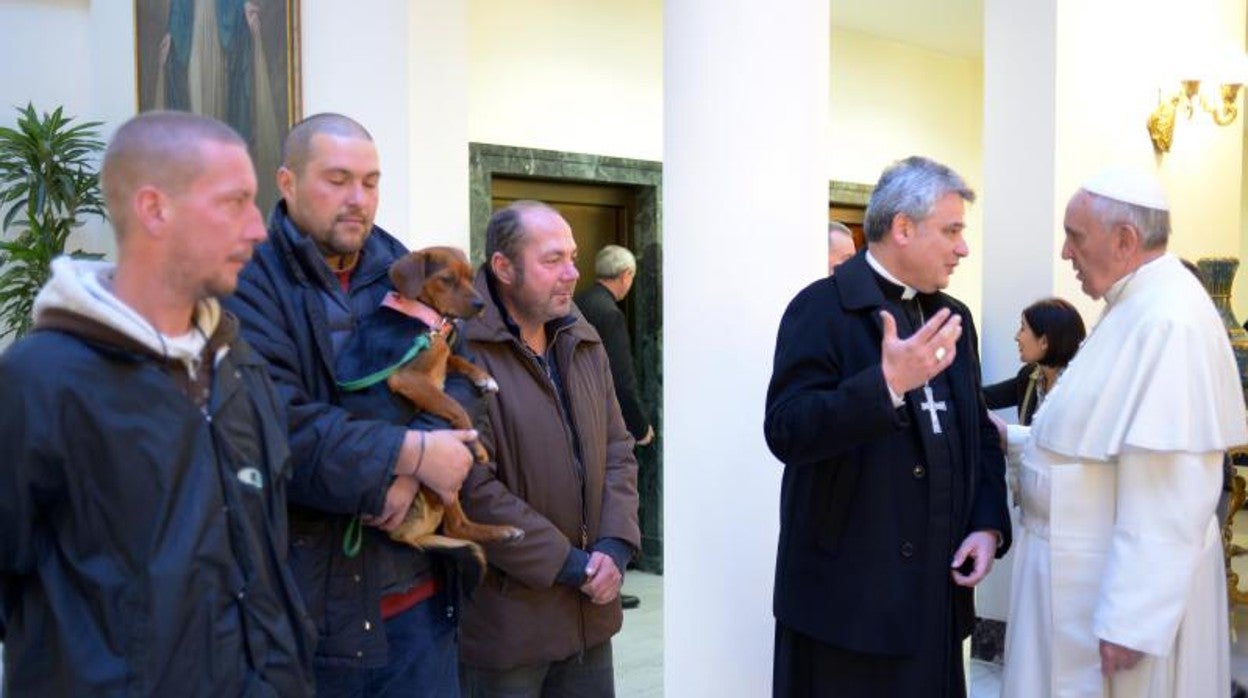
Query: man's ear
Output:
(285,182)
(151,209)
(901,230)
(503,269)
(1127,239)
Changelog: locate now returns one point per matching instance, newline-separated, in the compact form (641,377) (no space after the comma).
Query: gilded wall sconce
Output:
(1185,100)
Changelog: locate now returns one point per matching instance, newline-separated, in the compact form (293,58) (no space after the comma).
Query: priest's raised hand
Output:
(911,362)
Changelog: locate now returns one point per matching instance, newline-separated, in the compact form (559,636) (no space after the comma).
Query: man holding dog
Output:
(563,470)
(143,452)
(385,612)
(893,499)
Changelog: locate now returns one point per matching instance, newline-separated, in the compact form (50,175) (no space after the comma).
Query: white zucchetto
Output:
(1129,185)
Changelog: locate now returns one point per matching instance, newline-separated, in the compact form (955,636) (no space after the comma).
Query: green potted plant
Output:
(48,185)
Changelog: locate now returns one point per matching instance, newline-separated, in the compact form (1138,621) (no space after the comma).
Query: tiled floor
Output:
(639,646)
(638,649)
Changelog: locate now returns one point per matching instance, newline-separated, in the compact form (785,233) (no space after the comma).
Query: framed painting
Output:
(235,60)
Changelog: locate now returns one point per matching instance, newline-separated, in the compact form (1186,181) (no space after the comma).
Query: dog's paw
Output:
(479,453)
(514,535)
(489,385)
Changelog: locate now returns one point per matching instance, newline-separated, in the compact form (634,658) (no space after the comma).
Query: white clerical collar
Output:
(1120,286)
(907,291)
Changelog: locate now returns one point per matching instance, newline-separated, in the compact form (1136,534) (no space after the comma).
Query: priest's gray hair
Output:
(911,187)
(613,260)
(1152,223)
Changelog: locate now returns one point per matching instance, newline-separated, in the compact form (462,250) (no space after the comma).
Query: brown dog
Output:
(440,280)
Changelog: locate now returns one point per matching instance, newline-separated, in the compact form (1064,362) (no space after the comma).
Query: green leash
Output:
(353,537)
(421,344)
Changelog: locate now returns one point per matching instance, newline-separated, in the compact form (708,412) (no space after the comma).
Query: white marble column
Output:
(744,228)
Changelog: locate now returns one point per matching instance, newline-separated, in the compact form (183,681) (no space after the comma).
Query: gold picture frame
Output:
(235,60)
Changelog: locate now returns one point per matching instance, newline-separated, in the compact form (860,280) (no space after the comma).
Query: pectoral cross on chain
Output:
(932,407)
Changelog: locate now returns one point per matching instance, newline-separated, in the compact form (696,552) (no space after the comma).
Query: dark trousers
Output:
(424,656)
(579,676)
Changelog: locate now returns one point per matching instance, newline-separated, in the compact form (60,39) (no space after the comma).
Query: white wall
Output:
(1107,85)
(88,69)
(569,75)
(1019,73)
(437,196)
(359,58)
(890,101)
(31,74)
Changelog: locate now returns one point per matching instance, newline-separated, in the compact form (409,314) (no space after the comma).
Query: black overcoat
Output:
(854,507)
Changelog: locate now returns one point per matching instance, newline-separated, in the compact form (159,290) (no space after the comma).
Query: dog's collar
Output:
(437,322)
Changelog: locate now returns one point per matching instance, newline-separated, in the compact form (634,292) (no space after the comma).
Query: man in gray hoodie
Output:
(143,453)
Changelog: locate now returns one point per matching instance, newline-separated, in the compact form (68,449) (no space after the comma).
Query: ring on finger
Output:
(940,353)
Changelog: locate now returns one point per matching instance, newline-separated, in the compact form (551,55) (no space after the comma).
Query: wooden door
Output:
(851,217)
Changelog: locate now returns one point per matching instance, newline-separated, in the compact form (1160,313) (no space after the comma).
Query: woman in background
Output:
(1049,333)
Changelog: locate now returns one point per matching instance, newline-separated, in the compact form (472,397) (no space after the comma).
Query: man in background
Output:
(143,453)
(840,244)
(615,269)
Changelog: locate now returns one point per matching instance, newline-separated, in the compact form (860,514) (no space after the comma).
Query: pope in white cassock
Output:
(1119,583)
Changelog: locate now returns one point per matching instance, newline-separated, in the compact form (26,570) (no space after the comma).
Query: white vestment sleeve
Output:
(1016,436)
(1165,507)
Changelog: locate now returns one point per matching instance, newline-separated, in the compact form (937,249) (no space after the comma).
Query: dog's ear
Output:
(408,274)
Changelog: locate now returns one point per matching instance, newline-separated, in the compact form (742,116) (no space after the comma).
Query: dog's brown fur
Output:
(441,278)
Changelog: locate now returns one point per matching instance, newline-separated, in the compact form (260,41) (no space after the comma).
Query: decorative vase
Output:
(1217,275)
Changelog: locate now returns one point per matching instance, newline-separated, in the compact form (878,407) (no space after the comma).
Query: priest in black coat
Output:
(893,503)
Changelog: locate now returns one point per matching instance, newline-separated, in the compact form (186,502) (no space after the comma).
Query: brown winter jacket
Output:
(520,615)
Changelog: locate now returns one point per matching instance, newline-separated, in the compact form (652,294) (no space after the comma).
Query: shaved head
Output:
(158,149)
(298,146)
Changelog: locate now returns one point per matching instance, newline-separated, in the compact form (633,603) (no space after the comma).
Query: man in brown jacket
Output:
(563,470)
